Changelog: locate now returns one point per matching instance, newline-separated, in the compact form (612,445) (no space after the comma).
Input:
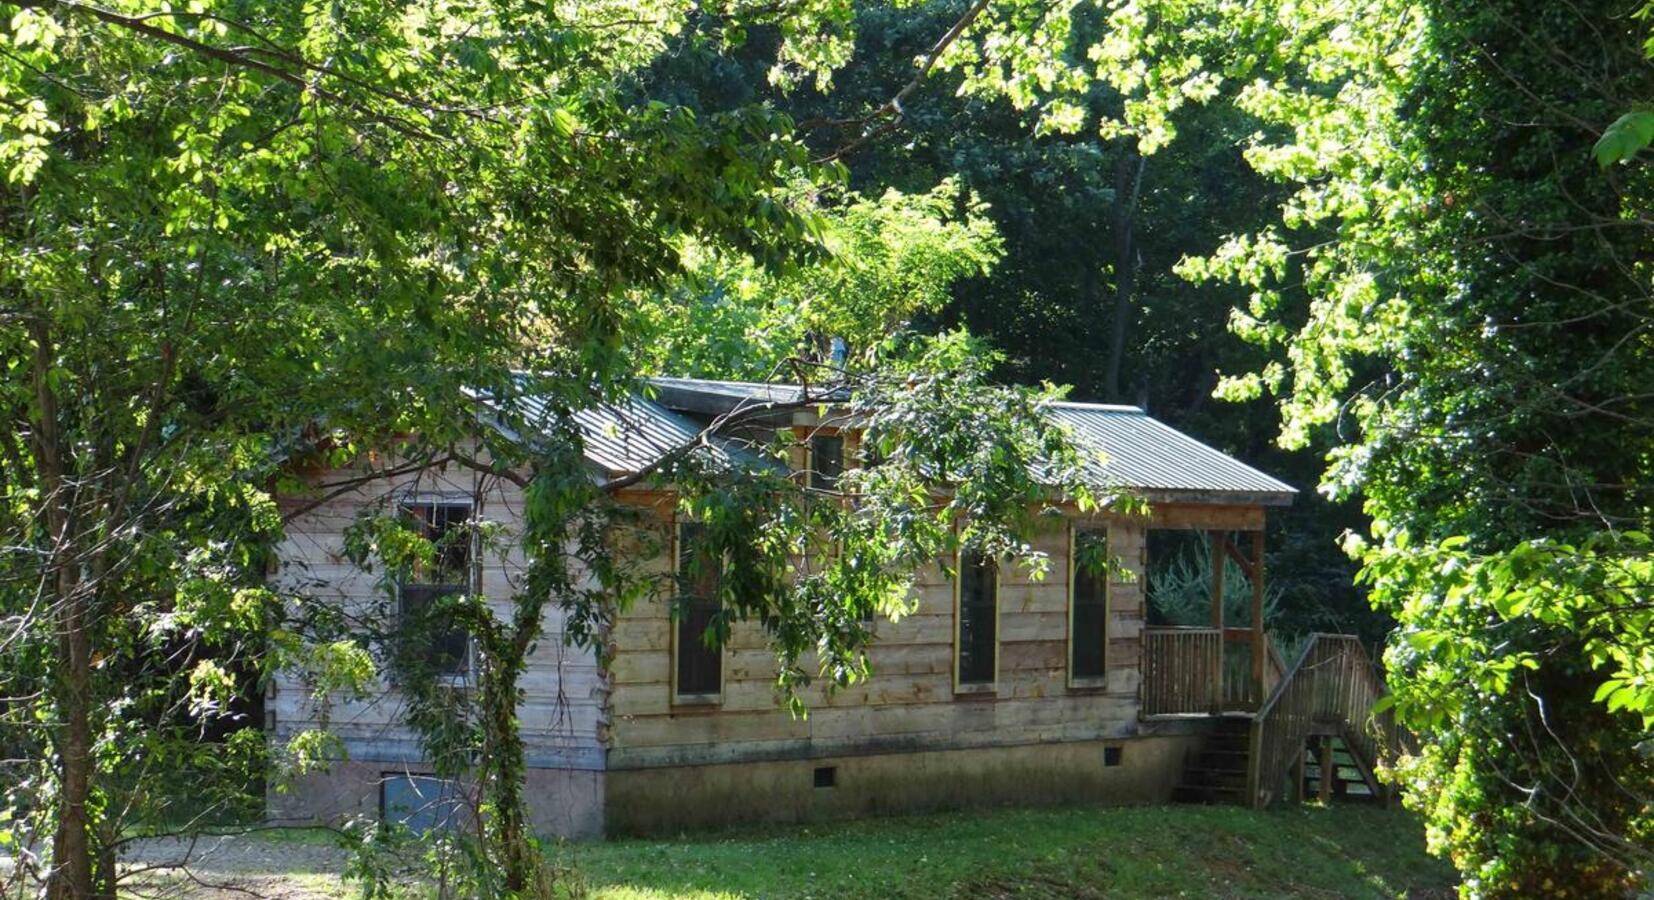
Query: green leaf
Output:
(1426,640)
(1625,138)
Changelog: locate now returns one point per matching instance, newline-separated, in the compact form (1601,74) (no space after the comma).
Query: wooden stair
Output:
(1350,780)
(1217,772)
(1327,703)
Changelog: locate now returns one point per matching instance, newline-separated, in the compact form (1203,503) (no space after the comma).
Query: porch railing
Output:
(1196,670)
(1182,670)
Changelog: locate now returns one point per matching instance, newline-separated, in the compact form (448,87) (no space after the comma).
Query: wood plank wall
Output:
(563,689)
(578,716)
(909,704)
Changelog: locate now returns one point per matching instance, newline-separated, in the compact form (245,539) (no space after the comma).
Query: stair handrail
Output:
(1332,682)
(1273,665)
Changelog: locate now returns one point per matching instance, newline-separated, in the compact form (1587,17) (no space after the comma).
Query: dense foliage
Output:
(237,232)
(1480,328)
(227,222)
(1477,335)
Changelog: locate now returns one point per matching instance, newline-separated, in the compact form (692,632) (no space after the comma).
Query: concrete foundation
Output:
(1139,770)
(564,803)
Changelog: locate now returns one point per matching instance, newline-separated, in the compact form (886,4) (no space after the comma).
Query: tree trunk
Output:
(502,676)
(1128,183)
(71,874)
(71,847)
(505,782)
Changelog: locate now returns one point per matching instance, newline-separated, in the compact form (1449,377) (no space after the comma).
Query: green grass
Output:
(1344,851)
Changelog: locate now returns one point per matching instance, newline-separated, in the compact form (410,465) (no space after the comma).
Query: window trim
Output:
(674,625)
(473,575)
(1085,682)
(984,687)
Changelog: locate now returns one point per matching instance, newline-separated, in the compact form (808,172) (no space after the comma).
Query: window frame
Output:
(1076,681)
(471,584)
(444,808)
(811,473)
(675,625)
(990,686)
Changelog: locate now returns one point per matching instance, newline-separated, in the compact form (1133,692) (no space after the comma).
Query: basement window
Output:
(421,802)
(1111,755)
(826,776)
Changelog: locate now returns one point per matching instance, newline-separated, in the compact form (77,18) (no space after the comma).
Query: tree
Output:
(240,233)
(1479,325)
(1477,336)
(887,261)
(227,222)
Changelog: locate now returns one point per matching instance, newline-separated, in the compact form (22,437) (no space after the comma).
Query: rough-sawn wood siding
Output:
(563,698)
(910,702)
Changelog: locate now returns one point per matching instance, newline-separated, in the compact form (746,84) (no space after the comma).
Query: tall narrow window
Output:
(444,525)
(977,641)
(699,668)
(1088,607)
(826,461)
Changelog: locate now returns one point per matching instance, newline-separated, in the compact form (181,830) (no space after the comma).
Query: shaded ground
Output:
(1346,851)
(288,864)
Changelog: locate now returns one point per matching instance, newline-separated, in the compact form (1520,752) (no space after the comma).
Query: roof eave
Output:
(1219,497)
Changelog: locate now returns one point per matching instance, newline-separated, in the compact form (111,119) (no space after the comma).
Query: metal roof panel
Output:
(1128,448)
(1123,446)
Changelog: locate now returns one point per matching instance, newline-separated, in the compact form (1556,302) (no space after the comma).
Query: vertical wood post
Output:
(1298,774)
(1218,540)
(1329,770)
(1259,649)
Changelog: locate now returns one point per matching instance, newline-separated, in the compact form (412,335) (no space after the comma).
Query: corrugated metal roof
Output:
(1128,448)
(1124,446)
(627,435)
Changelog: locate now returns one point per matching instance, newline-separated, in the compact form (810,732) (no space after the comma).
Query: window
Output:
(698,669)
(826,776)
(444,525)
(1088,607)
(421,802)
(976,643)
(826,461)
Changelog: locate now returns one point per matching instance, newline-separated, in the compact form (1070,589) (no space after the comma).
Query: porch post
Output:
(1259,649)
(1219,541)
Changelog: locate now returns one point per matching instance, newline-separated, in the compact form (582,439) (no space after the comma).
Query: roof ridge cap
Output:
(1101,407)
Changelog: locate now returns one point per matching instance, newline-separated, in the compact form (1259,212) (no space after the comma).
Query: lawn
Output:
(1344,851)
(1190,851)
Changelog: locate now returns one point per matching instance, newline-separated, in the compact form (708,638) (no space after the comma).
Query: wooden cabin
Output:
(999,689)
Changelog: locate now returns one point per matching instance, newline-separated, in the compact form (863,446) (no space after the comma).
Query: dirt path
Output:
(277,867)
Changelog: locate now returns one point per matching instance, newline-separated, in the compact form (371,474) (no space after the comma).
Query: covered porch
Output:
(1273,728)
(1219,668)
